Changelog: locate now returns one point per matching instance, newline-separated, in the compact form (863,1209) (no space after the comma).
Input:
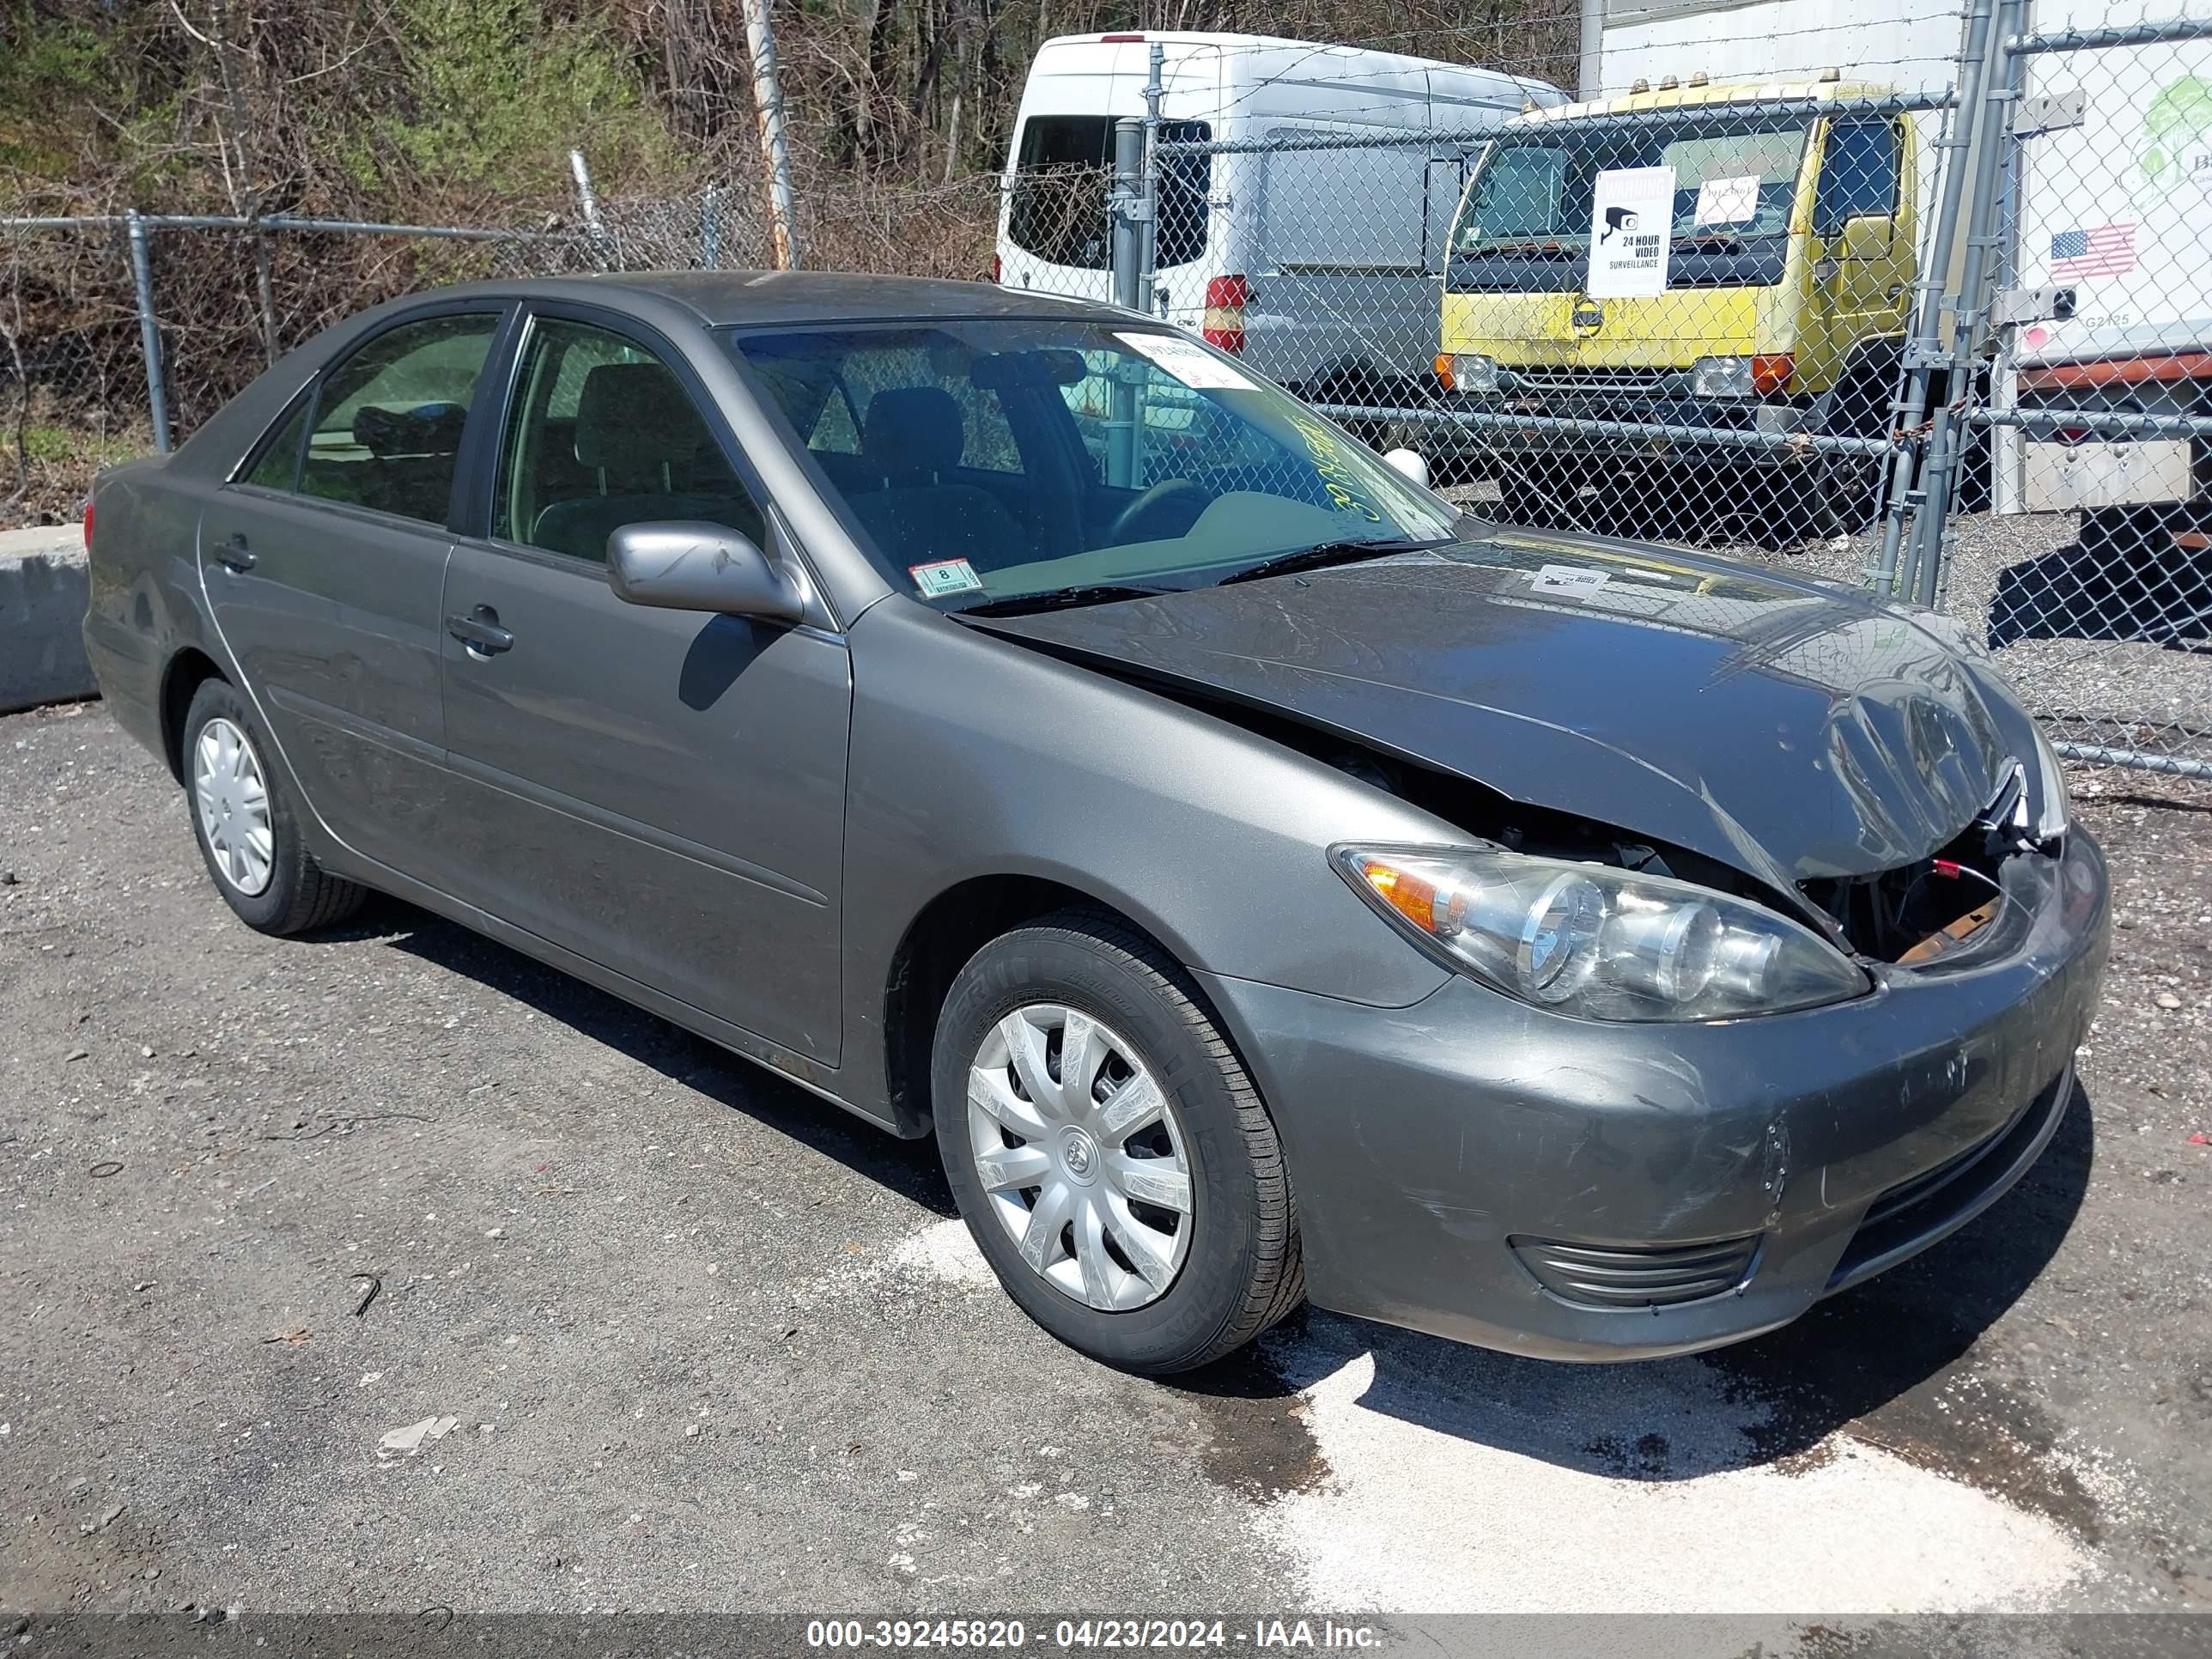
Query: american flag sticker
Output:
(2099,251)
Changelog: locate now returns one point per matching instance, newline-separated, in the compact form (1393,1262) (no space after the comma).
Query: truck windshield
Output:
(1734,179)
(990,461)
(1056,206)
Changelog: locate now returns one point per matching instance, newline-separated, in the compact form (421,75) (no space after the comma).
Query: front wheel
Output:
(1108,1152)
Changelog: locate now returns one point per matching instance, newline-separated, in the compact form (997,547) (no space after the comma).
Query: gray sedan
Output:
(1015,722)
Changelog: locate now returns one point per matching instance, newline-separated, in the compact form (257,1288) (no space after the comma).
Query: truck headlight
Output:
(1762,376)
(1596,941)
(1471,372)
(1721,377)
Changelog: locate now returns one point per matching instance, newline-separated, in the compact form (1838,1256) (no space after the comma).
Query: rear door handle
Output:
(232,554)
(480,631)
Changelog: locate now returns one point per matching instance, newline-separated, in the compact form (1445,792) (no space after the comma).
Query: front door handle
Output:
(480,631)
(232,554)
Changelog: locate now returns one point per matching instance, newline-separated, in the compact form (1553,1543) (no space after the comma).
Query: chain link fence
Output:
(1902,296)
(1911,299)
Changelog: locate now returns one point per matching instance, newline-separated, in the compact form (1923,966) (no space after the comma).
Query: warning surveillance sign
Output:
(1632,220)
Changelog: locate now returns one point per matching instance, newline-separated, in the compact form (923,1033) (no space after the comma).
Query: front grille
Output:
(1637,1275)
(1592,382)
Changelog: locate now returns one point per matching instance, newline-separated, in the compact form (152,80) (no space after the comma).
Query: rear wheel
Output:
(1110,1155)
(247,824)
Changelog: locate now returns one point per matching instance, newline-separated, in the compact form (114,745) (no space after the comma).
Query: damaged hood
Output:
(1791,729)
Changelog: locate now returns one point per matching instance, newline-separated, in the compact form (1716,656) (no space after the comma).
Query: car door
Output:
(661,792)
(323,563)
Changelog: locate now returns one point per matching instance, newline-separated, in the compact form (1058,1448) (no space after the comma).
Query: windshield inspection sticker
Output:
(1187,361)
(948,576)
(1567,578)
(1729,200)
(1632,217)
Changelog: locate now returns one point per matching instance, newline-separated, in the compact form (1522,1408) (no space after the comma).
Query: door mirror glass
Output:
(691,565)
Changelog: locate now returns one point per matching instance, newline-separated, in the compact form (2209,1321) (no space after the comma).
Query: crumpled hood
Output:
(1791,729)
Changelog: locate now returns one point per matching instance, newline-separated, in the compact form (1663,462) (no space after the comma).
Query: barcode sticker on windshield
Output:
(1567,578)
(1729,200)
(1187,360)
(946,576)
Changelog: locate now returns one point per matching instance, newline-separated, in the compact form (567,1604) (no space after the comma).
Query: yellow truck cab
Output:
(1784,275)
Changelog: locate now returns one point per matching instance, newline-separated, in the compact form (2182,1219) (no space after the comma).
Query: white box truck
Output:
(1318,265)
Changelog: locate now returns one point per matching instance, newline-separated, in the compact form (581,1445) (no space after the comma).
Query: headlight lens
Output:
(1474,373)
(1598,942)
(1721,377)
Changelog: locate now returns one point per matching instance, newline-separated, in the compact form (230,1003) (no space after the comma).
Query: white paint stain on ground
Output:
(945,1252)
(1461,1481)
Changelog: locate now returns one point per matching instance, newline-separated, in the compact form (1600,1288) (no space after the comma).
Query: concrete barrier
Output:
(43,587)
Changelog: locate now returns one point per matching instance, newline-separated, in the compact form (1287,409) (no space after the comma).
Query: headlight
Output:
(1474,373)
(1762,376)
(1596,941)
(1721,377)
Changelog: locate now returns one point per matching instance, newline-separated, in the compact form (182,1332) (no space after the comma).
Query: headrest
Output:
(631,416)
(911,431)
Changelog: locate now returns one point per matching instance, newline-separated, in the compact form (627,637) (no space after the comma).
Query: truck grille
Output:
(1637,1275)
(1591,382)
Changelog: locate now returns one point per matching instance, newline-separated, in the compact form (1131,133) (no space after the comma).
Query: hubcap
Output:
(1080,1156)
(232,803)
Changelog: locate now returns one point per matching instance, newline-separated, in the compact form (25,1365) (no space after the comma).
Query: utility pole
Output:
(775,159)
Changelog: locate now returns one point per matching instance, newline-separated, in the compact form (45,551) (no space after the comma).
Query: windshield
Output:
(985,460)
(1734,179)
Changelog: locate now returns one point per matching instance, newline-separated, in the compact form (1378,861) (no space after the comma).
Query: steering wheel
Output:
(1175,501)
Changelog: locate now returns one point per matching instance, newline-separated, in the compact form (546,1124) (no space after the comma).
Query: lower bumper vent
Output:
(1637,1275)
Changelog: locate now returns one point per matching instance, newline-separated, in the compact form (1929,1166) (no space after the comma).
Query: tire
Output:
(293,894)
(1237,1269)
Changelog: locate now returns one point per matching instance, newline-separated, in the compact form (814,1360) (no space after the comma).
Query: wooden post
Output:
(775,159)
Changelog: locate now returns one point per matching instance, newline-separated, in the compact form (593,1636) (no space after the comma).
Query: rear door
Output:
(660,792)
(324,560)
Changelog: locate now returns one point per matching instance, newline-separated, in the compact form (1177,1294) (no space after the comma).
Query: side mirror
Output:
(687,565)
(1410,464)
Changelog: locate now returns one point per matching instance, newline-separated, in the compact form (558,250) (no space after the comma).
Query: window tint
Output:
(388,420)
(1859,174)
(601,435)
(279,465)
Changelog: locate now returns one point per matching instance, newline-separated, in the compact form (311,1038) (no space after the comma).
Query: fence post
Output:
(1924,347)
(587,203)
(1125,202)
(1985,232)
(150,332)
(710,227)
(1148,257)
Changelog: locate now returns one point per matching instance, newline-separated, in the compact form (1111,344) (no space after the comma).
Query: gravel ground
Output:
(705,1343)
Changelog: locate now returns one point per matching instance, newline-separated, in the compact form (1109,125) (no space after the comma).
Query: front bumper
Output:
(1840,1140)
(1672,431)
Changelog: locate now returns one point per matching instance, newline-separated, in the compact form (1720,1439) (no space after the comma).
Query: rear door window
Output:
(386,433)
(1062,170)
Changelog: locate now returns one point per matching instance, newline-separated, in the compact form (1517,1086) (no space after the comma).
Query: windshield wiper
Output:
(1059,598)
(1327,553)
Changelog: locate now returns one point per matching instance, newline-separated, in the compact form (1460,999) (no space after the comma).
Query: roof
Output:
(1736,93)
(718,297)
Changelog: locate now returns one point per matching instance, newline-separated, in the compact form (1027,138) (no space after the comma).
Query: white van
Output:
(1318,265)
